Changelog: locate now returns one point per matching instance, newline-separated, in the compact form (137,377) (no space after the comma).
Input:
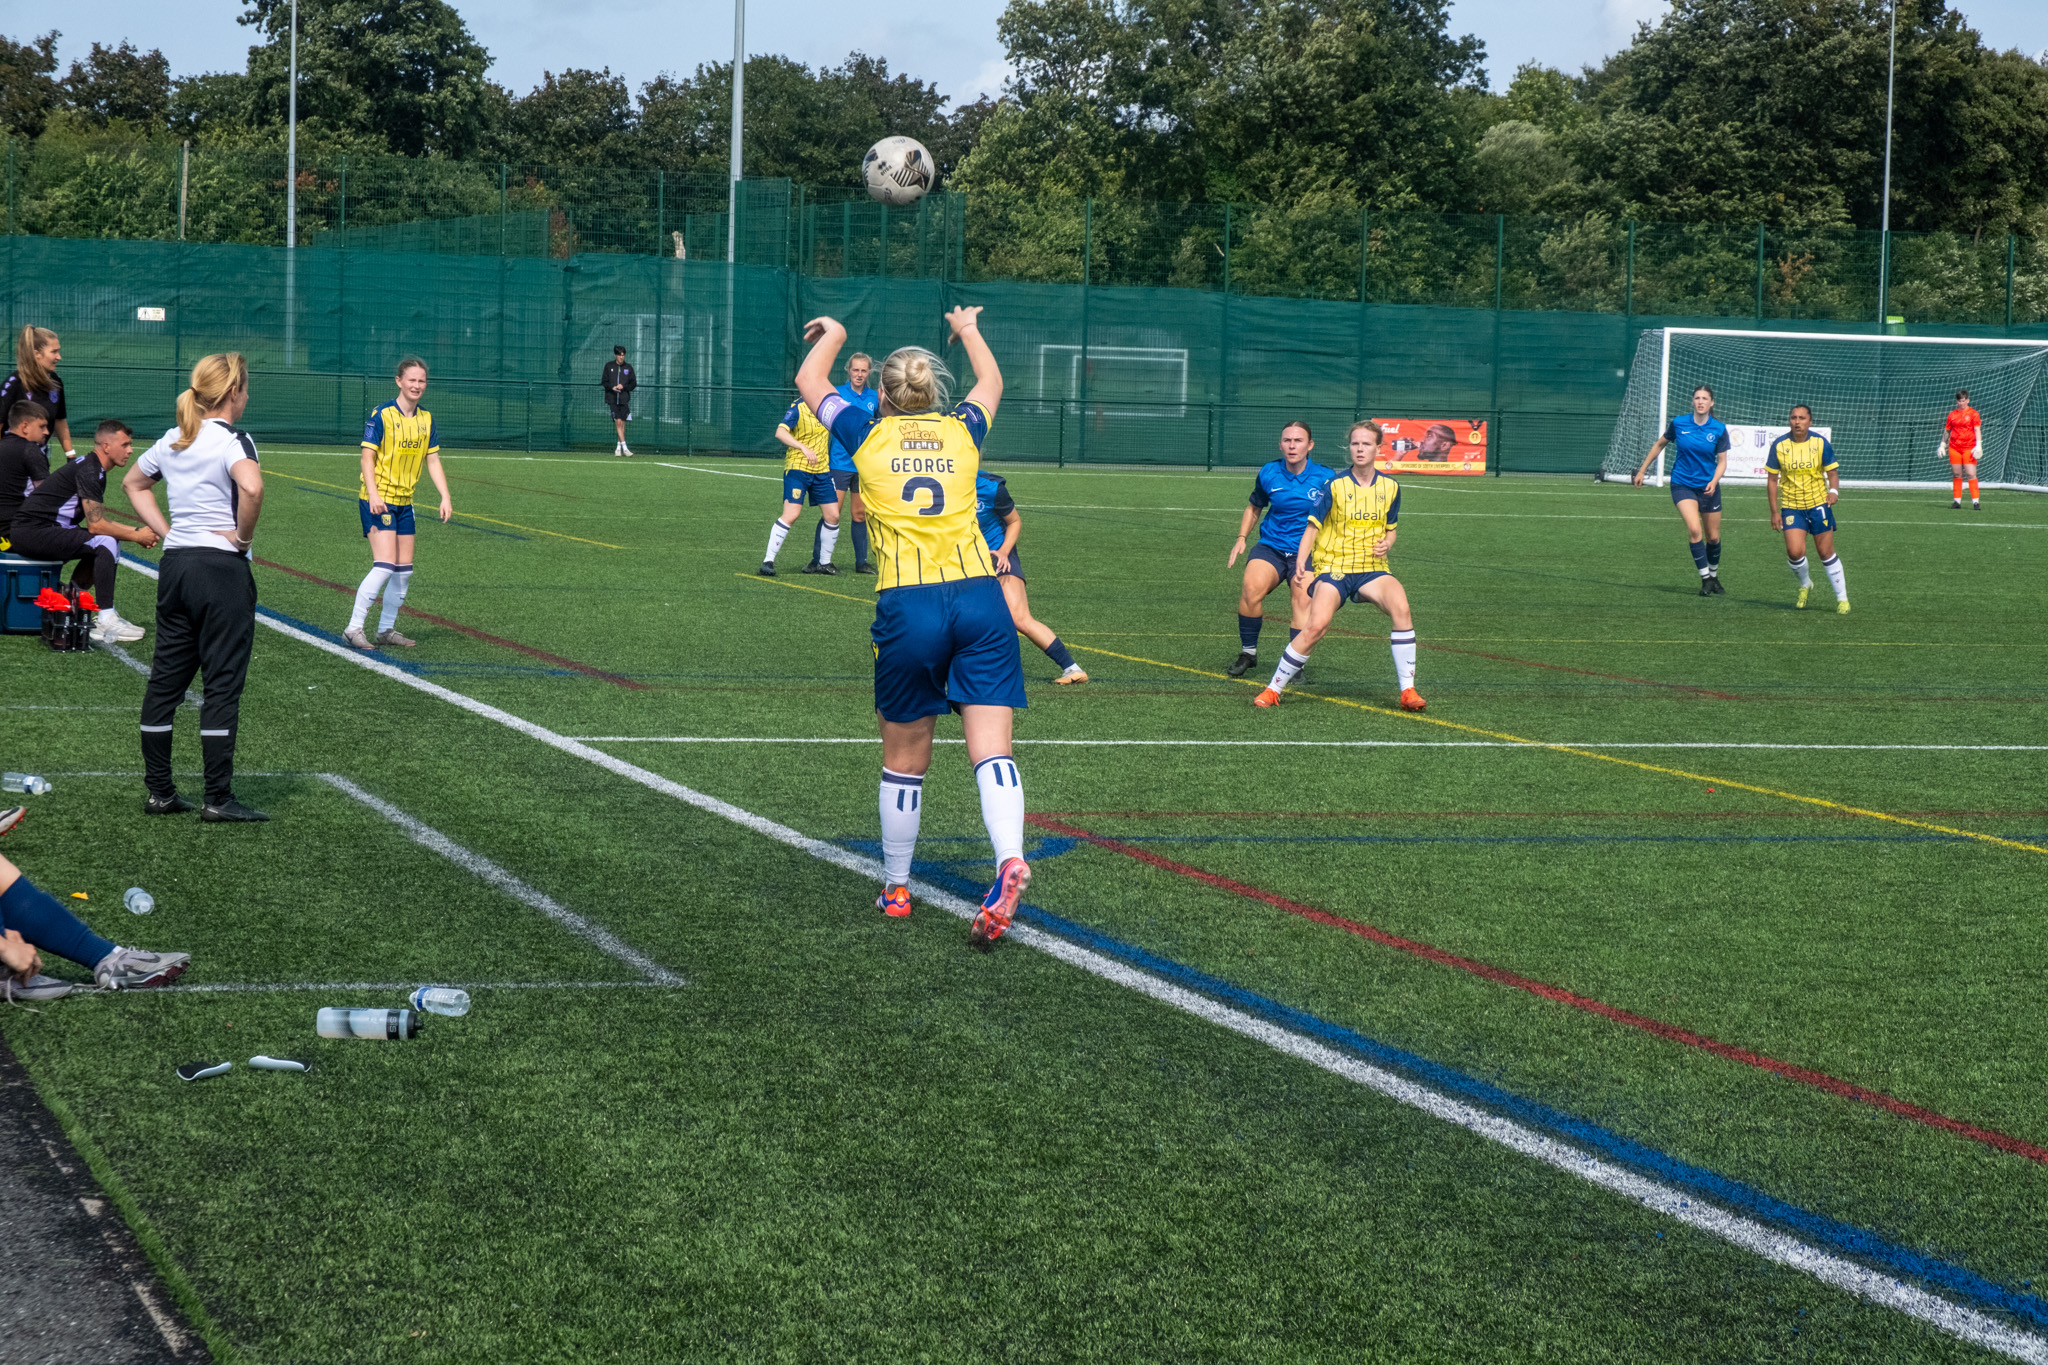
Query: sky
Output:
(954,45)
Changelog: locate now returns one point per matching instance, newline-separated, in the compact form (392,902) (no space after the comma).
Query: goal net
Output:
(1880,400)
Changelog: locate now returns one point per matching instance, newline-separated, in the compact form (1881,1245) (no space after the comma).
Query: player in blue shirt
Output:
(1285,491)
(1702,441)
(1001,524)
(855,391)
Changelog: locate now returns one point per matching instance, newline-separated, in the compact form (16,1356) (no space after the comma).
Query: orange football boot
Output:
(1267,698)
(1411,700)
(894,902)
(1000,903)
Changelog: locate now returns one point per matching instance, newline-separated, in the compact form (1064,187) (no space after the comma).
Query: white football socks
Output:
(828,543)
(776,535)
(1836,578)
(1002,805)
(394,597)
(1291,664)
(1403,642)
(366,591)
(902,799)
(1800,572)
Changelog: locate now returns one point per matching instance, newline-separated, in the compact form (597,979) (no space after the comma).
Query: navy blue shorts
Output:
(944,646)
(844,479)
(1283,562)
(1348,583)
(1709,502)
(796,483)
(1812,520)
(1016,569)
(394,518)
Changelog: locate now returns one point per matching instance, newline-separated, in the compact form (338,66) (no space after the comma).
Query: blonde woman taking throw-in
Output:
(205,592)
(36,355)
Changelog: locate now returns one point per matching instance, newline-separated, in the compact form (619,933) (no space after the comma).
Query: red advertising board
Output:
(1432,445)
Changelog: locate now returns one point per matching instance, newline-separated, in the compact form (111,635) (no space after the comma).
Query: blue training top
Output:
(868,400)
(992,502)
(1288,500)
(1698,443)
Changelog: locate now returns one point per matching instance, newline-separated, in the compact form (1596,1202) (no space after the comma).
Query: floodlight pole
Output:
(1884,250)
(291,196)
(739,89)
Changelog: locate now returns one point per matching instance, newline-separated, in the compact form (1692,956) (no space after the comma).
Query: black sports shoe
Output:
(828,570)
(864,568)
(1243,665)
(767,569)
(1706,585)
(173,804)
(812,567)
(1715,579)
(230,811)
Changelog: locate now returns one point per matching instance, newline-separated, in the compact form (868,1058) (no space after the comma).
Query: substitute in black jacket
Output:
(619,383)
(66,519)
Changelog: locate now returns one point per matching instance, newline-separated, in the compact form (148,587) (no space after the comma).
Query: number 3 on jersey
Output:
(922,484)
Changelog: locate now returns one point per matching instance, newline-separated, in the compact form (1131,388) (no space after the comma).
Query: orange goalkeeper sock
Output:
(1955,482)
(1973,490)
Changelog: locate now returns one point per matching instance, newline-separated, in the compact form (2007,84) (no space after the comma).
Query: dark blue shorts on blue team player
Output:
(942,646)
(393,518)
(1812,520)
(1284,562)
(1016,569)
(1709,502)
(796,483)
(1348,584)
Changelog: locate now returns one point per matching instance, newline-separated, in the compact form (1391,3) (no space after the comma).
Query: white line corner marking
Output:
(1977,1328)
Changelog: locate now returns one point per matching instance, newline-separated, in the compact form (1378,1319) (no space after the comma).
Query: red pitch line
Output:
(1820,1080)
(471,631)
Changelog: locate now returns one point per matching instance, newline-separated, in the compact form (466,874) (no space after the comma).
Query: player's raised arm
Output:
(814,376)
(988,380)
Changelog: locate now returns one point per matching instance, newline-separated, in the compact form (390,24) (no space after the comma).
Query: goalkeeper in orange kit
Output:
(1965,443)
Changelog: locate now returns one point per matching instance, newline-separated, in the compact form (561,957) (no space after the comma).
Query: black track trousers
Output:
(205,624)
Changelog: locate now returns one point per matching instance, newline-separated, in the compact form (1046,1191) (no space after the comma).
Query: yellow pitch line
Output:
(803,587)
(471,515)
(1590,753)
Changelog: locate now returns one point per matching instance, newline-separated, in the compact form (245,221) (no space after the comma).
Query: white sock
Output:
(902,801)
(1403,642)
(107,617)
(828,544)
(1290,664)
(1836,578)
(394,598)
(367,590)
(1800,572)
(1002,805)
(776,535)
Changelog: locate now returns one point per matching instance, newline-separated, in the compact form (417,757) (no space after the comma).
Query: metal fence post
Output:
(1759,272)
(660,282)
(2011,244)
(1500,256)
(1628,289)
(1364,252)
(502,173)
(660,210)
(1087,274)
(344,200)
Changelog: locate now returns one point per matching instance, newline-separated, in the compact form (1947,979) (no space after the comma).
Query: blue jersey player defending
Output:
(1285,491)
(1001,524)
(1702,441)
(943,636)
(855,391)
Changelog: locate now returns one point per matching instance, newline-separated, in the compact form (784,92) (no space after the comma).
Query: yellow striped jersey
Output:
(1802,470)
(811,432)
(1350,517)
(917,478)
(402,443)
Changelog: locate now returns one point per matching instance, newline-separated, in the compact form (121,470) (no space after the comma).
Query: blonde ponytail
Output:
(27,342)
(214,380)
(915,380)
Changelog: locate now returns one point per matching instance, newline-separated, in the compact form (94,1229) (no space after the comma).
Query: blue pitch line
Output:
(321,492)
(1847,1237)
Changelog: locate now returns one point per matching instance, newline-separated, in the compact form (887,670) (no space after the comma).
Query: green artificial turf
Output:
(847,1137)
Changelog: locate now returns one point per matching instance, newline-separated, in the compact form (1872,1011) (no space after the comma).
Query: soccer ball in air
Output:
(898,170)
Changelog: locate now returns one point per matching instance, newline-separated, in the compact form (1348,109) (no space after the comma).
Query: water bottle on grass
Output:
(28,783)
(445,1000)
(392,1024)
(138,901)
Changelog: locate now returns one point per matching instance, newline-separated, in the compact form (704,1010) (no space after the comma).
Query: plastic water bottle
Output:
(24,782)
(392,1024)
(447,1000)
(138,901)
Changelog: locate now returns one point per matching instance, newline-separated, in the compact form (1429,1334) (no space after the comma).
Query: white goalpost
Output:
(1880,400)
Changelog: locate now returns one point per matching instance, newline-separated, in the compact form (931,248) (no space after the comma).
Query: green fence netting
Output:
(1143,371)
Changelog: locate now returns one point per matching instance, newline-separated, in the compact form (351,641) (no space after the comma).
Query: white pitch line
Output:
(257,987)
(191,695)
(1332,743)
(729,473)
(483,868)
(1964,1323)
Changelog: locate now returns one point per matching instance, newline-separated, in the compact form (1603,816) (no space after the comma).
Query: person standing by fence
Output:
(206,591)
(36,355)
(619,383)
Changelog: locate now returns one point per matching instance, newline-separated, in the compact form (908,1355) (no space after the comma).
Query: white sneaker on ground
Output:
(112,628)
(625,450)
(131,969)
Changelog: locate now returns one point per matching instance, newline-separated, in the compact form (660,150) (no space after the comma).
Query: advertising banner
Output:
(1432,445)
(1747,447)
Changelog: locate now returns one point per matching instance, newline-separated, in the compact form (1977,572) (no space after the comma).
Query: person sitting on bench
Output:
(65,519)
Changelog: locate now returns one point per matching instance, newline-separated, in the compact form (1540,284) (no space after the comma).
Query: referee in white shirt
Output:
(205,592)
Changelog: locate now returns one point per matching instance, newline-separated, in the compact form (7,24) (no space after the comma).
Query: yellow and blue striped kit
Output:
(402,444)
(1802,468)
(1351,517)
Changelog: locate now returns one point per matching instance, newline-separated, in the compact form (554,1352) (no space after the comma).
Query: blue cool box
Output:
(22,580)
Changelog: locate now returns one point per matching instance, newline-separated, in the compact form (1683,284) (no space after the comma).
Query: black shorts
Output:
(45,540)
(622,409)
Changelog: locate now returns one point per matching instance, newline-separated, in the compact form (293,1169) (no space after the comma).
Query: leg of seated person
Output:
(38,917)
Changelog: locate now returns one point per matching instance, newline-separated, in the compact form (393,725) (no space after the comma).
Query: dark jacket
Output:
(23,464)
(56,499)
(619,372)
